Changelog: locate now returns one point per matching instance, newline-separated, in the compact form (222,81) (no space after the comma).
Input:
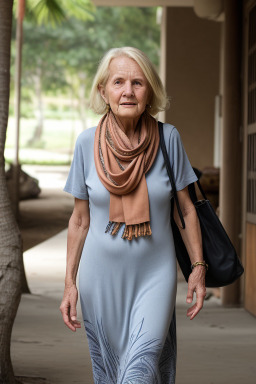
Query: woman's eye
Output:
(137,83)
(117,82)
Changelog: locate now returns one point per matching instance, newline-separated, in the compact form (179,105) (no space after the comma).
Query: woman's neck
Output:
(129,126)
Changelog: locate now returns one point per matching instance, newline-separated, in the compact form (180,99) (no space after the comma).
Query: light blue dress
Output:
(128,288)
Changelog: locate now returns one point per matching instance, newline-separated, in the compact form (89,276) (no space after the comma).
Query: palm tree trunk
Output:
(10,239)
(82,98)
(38,132)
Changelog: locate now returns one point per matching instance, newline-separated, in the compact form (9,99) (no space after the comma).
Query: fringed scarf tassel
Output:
(130,231)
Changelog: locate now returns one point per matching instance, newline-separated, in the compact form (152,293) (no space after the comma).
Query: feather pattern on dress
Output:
(140,360)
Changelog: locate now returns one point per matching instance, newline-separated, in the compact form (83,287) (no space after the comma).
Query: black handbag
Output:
(224,266)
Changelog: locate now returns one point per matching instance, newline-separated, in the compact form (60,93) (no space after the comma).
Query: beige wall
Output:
(192,80)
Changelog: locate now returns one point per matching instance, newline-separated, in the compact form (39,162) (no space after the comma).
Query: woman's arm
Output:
(192,239)
(77,231)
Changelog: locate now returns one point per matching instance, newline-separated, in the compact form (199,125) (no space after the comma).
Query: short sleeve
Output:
(182,170)
(76,183)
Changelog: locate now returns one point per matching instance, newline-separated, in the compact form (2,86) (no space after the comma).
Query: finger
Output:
(72,317)
(72,308)
(191,310)
(67,321)
(76,324)
(73,325)
(190,294)
(200,299)
(64,308)
(194,313)
(73,312)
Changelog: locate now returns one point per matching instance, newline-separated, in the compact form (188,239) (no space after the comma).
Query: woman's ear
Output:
(101,89)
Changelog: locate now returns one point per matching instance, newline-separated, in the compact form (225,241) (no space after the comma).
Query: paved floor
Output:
(217,347)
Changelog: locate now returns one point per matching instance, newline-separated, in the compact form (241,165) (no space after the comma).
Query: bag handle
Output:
(169,171)
(171,177)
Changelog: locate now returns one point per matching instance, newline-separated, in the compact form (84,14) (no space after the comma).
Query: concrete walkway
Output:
(217,347)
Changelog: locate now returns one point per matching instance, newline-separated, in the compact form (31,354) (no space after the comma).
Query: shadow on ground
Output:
(44,217)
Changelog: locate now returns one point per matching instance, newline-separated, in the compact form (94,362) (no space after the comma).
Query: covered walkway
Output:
(217,347)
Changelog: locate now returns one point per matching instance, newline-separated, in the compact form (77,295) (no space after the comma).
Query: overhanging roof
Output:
(144,3)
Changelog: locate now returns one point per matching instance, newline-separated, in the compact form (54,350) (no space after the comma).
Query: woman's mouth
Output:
(128,104)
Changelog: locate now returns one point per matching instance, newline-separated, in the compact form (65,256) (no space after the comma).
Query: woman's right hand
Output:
(68,307)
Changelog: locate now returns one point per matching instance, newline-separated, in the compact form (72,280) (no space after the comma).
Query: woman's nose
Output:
(128,90)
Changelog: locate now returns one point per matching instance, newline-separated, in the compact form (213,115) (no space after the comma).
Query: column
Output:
(231,151)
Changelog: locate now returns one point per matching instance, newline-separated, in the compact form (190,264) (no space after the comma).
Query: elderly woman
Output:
(121,230)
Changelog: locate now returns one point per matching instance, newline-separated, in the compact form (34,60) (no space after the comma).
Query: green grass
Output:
(56,144)
(39,162)
(57,134)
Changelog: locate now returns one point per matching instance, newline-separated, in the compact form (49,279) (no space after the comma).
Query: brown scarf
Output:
(121,168)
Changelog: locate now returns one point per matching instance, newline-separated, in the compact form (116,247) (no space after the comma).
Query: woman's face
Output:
(127,90)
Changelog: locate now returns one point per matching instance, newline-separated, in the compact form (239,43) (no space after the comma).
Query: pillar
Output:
(231,151)
(190,54)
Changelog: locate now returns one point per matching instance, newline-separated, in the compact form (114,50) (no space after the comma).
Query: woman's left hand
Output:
(196,283)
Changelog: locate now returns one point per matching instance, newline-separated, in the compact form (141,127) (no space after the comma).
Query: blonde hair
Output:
(159,100)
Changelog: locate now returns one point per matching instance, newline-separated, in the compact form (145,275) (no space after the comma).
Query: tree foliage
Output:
(60,57)
(54,12)
(70,52)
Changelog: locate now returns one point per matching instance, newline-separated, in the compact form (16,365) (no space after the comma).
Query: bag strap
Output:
(169,171)
(201,190)
(171,177)
(192,191)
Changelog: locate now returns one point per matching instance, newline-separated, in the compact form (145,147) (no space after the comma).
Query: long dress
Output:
(128,288)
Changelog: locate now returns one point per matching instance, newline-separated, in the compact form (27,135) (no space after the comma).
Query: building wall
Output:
(249,156)
(192,80)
